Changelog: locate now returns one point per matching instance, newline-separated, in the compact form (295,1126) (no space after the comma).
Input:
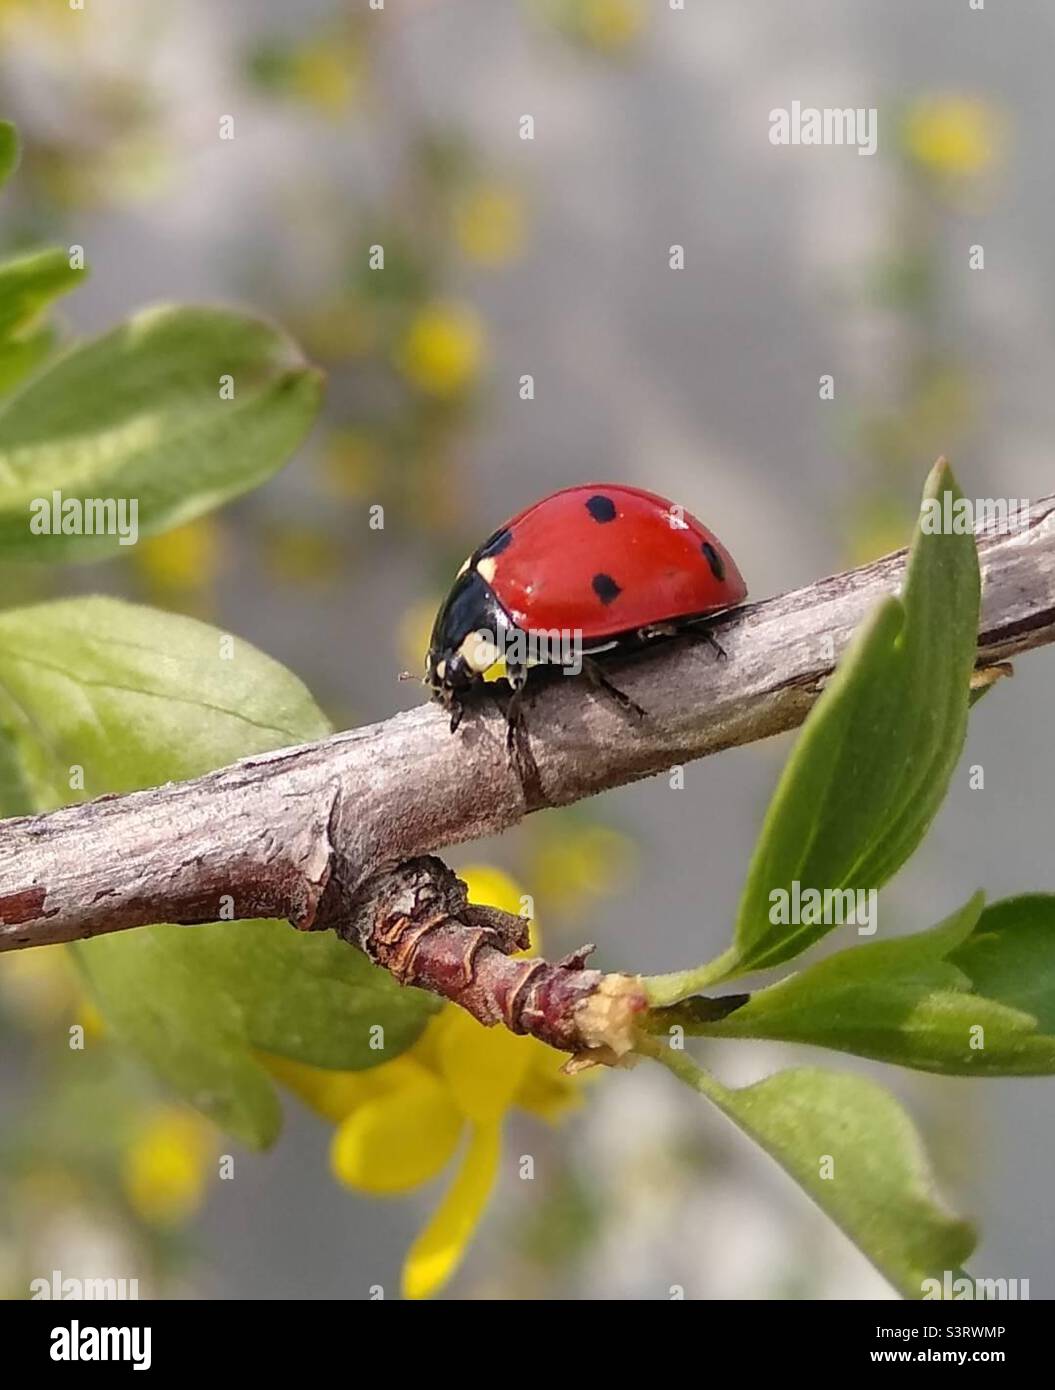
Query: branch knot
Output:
(417,923)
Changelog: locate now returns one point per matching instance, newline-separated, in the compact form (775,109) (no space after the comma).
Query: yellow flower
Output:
(414,632)
(877,529)
(576,863)
(24,13)
(612,24)
(41,985)
(326,74)
(165,1168)
(354,465)
(300,553)
(182,561)
(489,225)
(399,1125)
(952,137)
(43,988)
(442,349)
(91,1020)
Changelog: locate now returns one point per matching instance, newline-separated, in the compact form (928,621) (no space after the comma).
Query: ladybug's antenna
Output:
(406,676)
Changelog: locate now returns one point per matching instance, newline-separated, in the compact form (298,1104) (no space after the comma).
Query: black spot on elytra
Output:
(605,587)
(601,508)
(714,560)
(494,545)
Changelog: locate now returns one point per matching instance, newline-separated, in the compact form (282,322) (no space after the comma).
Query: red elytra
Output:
(608,563)
(660,563)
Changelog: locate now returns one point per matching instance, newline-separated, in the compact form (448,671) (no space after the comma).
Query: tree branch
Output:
(300,833)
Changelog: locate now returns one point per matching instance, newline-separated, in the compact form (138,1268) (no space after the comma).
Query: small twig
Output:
(417,923)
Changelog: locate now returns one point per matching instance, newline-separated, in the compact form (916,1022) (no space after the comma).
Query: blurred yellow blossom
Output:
(612,24)
(953,137)
(415,630)
(442,349)
(326,74)
(607,26)
(876,529)
(91,1020)
(400,1124)
(340,327)
(575,863)
(41,986)
(354,464)
(167,1164)
(489,224)
(44,989)
(302,554)
(944,407)
(186,560)
(32,11)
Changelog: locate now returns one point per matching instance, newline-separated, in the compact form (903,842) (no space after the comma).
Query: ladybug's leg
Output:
(715,646)
(457,709)
(515,724)
(648,634)
(701,634)
(597,678)
(704,634)
(518,746)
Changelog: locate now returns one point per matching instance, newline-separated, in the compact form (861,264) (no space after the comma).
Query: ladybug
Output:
(600,566)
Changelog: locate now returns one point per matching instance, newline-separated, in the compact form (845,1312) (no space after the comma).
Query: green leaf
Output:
(196,1003)
(9,150)
(136,417)
(136,697)
(856,1153)
(29,283)
(1010,956)
(22,355)
(184,1026)
(873,761)
(16,797)
(307,996)
(910,1001)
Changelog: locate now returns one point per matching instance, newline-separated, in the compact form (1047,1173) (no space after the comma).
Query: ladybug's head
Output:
(447,673)
(465,638)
